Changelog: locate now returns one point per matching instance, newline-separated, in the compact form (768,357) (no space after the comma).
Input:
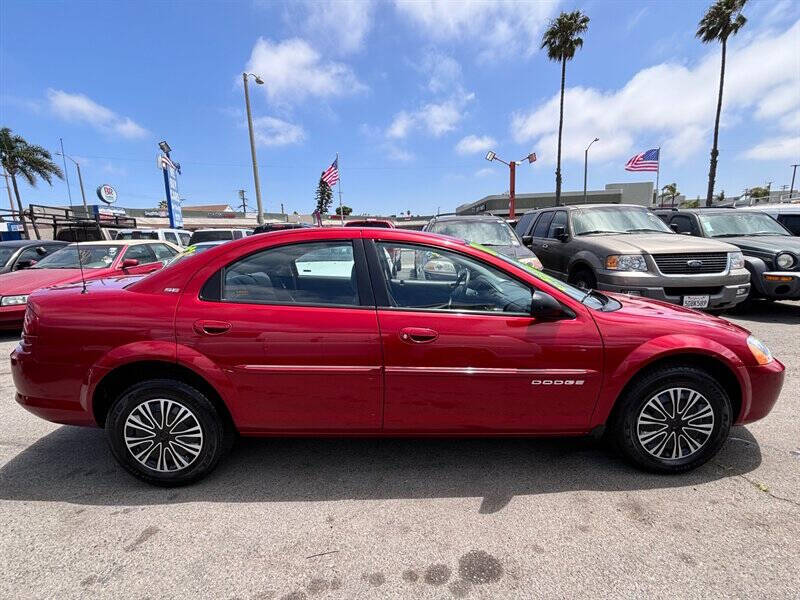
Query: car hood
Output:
(655,243)
(766,243)
(28,280)
(646,308)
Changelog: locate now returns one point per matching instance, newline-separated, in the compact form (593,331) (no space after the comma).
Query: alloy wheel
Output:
(675,423)
(163,435)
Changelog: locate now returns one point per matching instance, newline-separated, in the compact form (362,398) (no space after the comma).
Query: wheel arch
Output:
(123,376)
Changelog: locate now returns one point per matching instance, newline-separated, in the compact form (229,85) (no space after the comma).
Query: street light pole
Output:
(794,172)
(80,180)
(512,175)
(260,216)
(585,166)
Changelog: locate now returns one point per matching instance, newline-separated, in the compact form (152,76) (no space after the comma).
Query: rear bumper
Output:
(34,397)
(766,382)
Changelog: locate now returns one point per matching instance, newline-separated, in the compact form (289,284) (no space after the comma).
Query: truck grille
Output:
(688,264)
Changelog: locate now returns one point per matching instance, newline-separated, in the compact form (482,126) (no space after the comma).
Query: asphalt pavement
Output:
(288,518)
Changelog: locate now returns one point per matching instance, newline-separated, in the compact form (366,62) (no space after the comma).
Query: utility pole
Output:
(244,201)
(794,172)
(66,175)
(259,81)
(10,197)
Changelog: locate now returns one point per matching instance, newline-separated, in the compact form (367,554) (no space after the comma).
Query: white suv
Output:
(179,237)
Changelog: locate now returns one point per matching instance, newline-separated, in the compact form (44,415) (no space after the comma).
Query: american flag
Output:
(331,174)
(646,161)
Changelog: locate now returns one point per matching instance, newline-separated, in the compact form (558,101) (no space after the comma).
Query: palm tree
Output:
(723,19)
(671,190)
(19,157)
(562,39)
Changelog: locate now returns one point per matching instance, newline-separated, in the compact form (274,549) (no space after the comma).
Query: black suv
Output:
(771,253)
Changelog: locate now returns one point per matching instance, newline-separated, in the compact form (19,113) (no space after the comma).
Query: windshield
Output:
(190,251)
(91,257)
(740,223)
(5,254)
(211,236)
(590,299)
(486,233)
(137,235)
(616,219)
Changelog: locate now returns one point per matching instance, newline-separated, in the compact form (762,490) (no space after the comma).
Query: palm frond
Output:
(722,19)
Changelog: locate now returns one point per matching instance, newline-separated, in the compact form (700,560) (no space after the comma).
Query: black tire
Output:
(627,433)
(583,278)
(214,440)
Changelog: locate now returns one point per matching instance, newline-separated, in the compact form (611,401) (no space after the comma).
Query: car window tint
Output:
(171,237)
(559,220)
(524,224)
(141,252)
(163,252)
(317,273)
(791,222)
(427,278)
(542,225)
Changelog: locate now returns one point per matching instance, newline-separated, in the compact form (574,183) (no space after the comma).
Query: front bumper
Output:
(11,317)
(780,285)
(724,290)
(766,382)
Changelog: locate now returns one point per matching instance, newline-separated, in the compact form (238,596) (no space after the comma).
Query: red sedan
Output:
(312,332)
(97,260)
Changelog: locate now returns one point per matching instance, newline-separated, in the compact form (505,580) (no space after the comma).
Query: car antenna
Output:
(70,218)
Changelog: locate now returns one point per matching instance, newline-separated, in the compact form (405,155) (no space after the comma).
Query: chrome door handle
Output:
(205,327)
(417,335)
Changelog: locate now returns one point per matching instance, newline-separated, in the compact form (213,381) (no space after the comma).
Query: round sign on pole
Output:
(106,193)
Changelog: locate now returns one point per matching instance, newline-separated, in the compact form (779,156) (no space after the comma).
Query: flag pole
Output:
(339,185)
(658,173)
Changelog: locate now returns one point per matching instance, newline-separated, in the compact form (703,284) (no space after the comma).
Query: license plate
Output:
(695,301)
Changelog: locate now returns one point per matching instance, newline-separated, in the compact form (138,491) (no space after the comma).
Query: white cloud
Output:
(341,25)
(270,131)
(81,108)
(401,125)
(497,28)
(292,70)
(486,171)
(396,153)
(473,144)
(773,149)
(671,105)
(443,72)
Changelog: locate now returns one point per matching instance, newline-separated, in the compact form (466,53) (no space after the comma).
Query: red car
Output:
(99,259)
(311,332)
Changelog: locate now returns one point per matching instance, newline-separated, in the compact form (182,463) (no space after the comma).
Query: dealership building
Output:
(614,193)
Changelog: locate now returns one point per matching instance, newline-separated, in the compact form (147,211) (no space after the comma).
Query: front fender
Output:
(659,348)
(584,257)
(757,267)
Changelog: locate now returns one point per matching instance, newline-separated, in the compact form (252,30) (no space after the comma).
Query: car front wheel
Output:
(672,420)
(584,279)
(166,432)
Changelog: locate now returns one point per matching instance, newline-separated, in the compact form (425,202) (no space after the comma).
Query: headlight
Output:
(13,300)
(760,351)
(736,260)
(784,260)
(626,262)
(531,261)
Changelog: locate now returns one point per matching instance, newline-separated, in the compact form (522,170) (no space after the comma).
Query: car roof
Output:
(441,218)
(119,242)
(21,243)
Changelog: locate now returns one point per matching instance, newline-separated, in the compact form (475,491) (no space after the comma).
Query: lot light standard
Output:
(512,170)
(794,172)
(80,179)
(259,81)
(585,167)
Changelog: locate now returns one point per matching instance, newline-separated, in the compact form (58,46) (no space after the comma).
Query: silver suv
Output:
(627,248)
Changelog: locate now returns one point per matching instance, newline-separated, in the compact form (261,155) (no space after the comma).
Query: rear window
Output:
(213,235)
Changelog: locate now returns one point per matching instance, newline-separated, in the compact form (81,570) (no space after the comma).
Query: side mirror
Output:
(129,262)
(25,264)
(41,251)
(560,233)
(545,307)
(674,227)
(527,240)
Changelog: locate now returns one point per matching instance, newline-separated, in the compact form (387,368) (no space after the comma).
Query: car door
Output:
(474,360)
(540,243)
(146,257)
(550,249)
(294,328)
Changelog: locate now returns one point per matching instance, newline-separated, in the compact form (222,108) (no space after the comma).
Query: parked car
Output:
(213,235)
(23,254)
(492,232)
(787,215)
(266,337)
(627,248)
(269,227)
(771,252)
(97,260)
(179,237)
(195,249)
(370,223)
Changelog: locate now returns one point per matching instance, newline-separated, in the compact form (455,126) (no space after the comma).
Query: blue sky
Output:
(410,94)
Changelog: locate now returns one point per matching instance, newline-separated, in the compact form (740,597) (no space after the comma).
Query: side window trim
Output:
(365,296)
(382,301)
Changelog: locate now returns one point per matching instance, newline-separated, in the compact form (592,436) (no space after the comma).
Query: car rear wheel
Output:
(583,278)
(166,432)
(672,420)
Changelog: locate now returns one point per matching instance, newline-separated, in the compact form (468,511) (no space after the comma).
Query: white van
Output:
(179,237)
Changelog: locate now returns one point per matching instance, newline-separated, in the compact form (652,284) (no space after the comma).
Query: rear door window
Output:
(542,225)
